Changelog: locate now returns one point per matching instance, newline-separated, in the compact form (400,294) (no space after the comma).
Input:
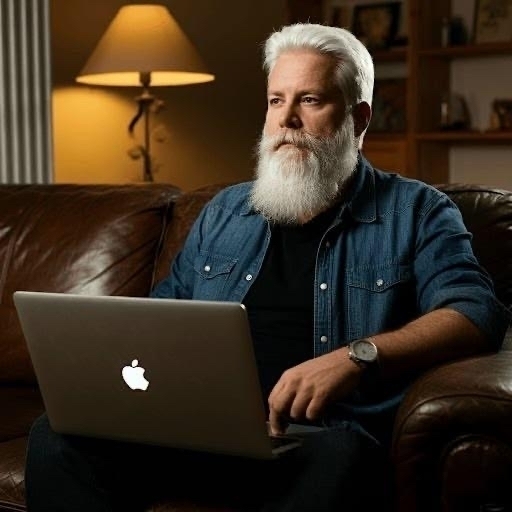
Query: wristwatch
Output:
(363,352)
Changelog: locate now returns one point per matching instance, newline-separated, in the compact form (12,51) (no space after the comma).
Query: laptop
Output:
(168,372)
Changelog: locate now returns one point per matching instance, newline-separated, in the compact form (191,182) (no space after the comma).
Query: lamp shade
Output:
(144,39)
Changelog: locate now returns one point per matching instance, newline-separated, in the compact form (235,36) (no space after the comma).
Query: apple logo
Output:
(134,376)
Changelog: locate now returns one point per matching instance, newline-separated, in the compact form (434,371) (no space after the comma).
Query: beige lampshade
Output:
(144,39)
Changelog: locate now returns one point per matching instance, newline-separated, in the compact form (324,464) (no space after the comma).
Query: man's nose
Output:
(290,117)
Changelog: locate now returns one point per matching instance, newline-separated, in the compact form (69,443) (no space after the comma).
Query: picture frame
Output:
(493,21)
(376,25)
(389,106)
(501,115)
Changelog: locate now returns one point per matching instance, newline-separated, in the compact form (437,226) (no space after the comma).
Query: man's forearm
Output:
(306,389)
(435,338)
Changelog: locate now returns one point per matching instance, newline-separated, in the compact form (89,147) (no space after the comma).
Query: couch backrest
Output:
(487,213)
(91,239)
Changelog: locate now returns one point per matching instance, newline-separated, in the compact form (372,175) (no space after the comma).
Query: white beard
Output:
(296,182)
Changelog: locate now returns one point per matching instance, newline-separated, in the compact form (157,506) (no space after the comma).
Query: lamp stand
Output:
(145,100)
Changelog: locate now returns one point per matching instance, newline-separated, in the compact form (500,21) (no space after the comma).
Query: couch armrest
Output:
(449,405)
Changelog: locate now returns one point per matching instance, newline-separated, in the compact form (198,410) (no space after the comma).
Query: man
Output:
(355,281)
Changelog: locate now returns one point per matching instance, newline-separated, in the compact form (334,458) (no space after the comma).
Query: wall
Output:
(208,130)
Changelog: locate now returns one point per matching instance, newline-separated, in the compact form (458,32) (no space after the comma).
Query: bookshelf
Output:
(422,149)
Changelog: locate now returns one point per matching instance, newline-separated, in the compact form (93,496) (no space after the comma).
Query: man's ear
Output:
(362,113)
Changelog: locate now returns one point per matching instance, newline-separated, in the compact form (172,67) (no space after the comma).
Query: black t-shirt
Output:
(280,301)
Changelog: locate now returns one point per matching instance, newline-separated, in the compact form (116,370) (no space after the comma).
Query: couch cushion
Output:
(12,486)
(12,468)
(90,239)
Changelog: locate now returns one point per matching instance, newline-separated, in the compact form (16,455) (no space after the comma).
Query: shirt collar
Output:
(363,202)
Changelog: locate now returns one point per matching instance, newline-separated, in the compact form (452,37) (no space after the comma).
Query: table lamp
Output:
(144,46)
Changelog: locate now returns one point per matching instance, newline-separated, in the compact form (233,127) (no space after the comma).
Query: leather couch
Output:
(452,444)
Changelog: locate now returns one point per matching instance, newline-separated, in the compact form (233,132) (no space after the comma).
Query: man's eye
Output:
(309,99)
(273,101)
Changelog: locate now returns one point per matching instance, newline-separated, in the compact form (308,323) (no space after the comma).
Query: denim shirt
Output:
(396,250)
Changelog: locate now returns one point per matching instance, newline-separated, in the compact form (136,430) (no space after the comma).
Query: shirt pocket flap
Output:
(213,265)
(379,279)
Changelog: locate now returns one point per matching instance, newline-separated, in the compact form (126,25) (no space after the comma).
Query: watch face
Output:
(365,350)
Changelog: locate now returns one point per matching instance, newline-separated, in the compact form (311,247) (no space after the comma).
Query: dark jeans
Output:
(341,469)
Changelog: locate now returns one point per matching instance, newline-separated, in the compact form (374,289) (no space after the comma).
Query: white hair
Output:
(354,65)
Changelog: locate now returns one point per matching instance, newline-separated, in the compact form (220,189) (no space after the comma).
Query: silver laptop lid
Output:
(170,372)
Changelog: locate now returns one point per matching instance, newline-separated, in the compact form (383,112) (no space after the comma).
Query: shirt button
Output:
(323,339)
(248,277)
(323,286)
(327,244)
(207,268)
(379,282)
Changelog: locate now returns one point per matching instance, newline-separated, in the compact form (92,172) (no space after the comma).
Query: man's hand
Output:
(306,389)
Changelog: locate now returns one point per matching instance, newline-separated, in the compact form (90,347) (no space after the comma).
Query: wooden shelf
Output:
(468,51)
(454,137)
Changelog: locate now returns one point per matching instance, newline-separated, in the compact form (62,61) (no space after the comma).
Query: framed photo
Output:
(493,21)
(501,115)
(388,107)
(376,25)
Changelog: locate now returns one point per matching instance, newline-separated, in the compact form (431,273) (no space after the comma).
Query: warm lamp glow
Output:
(144,46)
(144,39)
(130,78)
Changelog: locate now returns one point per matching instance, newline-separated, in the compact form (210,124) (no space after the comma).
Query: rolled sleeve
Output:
(449,275)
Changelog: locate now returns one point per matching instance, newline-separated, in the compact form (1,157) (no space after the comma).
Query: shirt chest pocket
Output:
(212,274)
(380,298)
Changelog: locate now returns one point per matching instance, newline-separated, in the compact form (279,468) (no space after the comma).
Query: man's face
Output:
(303,96)
(308,148)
